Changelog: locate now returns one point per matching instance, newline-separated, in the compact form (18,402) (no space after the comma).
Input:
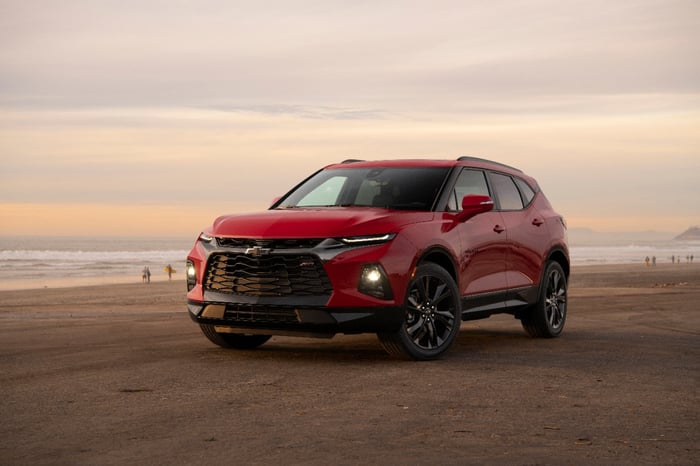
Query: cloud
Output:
(395,56)
(191,103)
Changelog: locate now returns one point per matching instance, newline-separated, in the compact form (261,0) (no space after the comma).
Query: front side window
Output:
(506,192)
(469,182)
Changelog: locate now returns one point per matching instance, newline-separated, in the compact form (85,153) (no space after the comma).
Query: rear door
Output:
(525,230)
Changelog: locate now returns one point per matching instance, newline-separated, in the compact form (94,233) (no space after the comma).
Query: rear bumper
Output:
(297,320)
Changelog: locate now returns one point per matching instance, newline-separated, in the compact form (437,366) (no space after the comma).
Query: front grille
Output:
(269,275)
(289,243)
(248,314)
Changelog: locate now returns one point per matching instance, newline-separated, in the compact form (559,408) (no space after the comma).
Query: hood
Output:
(315,223)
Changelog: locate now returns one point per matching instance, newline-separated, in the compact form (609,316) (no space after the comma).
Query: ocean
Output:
(665,252)
(39,262)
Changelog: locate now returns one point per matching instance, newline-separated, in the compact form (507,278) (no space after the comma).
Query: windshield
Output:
(408,188)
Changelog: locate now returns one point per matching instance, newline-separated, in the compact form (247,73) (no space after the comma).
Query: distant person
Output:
(653,261)
(169,270)
(146,275)
(673,259)
(646,261)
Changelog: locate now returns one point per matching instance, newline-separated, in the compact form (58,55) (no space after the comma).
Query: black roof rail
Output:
(351,161)
(467,158)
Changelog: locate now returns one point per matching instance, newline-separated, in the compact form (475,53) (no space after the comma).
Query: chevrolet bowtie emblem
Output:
(258,251)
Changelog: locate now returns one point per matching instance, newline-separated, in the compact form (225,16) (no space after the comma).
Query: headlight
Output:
(191,275)
(367,240)
(374,282)
(205,237)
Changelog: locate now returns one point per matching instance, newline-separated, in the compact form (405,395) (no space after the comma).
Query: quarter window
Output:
(526,191)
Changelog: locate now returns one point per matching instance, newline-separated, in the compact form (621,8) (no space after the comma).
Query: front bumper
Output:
(286,319)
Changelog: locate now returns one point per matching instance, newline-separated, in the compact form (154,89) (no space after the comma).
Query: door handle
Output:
(537,222)
(499,229)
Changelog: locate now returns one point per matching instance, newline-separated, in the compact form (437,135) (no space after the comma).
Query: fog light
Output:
(191,274)
(374,282)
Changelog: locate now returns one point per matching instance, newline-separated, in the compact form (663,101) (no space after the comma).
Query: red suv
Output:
(406,249)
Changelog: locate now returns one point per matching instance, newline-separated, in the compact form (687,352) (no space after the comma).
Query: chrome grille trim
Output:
(280,243)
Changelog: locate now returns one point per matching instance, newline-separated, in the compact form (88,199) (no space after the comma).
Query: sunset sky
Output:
(146,118)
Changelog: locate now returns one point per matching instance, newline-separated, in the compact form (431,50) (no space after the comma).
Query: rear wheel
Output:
(432,316)
(546,318)
(233,340)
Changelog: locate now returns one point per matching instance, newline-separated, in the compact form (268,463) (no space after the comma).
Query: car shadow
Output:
(366,347)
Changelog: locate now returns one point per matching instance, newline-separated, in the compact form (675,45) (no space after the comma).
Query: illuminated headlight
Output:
(374,282)
(191,275)
(367,240)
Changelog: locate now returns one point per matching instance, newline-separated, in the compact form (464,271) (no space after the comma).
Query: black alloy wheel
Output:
(546,318)
(432,316)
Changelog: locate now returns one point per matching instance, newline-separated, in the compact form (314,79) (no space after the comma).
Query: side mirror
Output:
(474,204)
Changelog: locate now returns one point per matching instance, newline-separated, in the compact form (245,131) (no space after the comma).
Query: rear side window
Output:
(506,192)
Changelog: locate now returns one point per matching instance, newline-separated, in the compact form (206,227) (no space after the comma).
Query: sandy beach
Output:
(118,374)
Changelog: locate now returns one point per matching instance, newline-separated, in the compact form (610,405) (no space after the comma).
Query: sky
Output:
(151,118)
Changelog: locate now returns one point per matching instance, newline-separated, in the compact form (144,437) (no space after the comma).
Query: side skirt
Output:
(512,301)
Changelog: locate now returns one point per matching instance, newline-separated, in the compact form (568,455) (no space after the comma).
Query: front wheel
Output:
(546,318)
(233,340)
(432,316)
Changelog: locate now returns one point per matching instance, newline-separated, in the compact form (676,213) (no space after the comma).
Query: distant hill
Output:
(691,234)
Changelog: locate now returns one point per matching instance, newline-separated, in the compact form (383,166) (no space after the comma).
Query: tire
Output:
(233,340)
(432,316)
(547,317)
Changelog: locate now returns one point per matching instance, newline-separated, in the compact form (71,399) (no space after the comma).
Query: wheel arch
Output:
(443,258)
(558,254)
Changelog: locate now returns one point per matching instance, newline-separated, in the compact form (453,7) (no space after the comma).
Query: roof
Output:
(394,163)
(461,161)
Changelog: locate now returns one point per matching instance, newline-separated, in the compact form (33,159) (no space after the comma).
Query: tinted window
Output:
(469,182)
(410,188)
(526,191)
(506,191)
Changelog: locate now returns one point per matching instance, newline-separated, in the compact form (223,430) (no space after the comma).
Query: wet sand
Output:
(118,374)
